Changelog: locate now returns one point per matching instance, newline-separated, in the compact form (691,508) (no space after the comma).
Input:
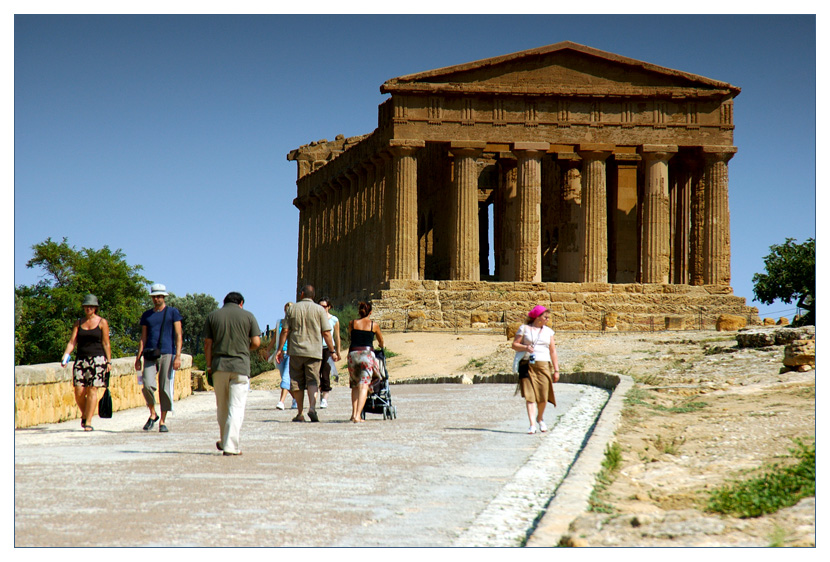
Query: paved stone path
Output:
(427,478)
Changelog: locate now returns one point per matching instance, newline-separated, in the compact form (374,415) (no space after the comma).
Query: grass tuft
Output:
(779,487)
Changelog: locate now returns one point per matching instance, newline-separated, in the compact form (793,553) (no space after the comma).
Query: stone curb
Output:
(571,497)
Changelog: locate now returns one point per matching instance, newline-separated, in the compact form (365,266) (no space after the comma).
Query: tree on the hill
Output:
(194,310)
(48,309)
(790,275)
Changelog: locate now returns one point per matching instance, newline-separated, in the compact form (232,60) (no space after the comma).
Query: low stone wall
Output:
(446,305)
(44,394)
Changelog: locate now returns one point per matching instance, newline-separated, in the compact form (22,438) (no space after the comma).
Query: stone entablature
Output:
(44,393)
(594,167)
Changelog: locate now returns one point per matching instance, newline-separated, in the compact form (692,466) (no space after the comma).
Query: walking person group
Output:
(305,345)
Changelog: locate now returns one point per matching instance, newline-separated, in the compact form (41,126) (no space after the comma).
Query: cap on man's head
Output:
(158,289)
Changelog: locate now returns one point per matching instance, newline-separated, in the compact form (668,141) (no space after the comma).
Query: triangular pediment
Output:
(563,68)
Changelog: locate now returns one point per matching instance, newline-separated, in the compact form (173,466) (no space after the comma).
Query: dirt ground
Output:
(702,413)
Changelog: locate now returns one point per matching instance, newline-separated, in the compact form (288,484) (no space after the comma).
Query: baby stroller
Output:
(379,400)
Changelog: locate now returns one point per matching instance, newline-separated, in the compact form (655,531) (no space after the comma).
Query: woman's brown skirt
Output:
(538,387)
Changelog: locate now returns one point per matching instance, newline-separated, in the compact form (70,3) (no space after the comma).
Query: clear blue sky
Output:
(166,136)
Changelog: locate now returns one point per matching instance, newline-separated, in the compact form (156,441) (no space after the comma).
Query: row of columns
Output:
(345,224)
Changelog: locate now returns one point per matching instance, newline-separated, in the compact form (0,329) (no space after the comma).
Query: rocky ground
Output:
(703,412)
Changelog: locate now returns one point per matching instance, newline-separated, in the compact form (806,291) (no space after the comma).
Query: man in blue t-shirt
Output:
(161,332)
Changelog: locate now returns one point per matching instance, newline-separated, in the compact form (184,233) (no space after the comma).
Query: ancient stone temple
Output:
(583,180)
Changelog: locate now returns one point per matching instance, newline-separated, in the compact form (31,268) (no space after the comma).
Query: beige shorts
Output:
(304,372)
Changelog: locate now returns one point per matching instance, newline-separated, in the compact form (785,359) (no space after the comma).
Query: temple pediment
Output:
(561,69)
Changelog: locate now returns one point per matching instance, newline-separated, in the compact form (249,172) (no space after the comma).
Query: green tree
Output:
(194,310)
(49,308)
(790,274)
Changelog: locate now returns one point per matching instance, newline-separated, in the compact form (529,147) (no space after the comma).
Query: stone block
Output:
(510,329)
(769,322)
(415,314)
(564,287)
(406,284)
(562,297)
(783,321)
(479,317)
(730,323)
(800,352)
(675,323)
(756,338)
(718,289)
(609,321)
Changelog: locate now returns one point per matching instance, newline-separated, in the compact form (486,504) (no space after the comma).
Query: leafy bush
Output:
(199,362)
(789,274)
(345,314)
(45,312)
(259,358)
(780,487)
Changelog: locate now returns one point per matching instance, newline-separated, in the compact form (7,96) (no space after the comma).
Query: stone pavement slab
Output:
(422,479)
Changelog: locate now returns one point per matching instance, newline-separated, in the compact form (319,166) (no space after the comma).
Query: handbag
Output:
(105,403)
(154,354)
(524,369)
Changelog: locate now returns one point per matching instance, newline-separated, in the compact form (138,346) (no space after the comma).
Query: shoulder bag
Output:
(105,403)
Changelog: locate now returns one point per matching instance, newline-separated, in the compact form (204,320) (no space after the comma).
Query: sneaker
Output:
(293,404)
(532,430)
(324,403)
(280,406)
(163,429)
(312,415)
(543,426)
(150,423)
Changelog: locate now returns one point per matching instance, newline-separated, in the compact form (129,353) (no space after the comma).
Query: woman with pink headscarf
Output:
(539,368)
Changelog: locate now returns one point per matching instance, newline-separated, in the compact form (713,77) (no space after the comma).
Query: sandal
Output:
(89,428)
(532,430)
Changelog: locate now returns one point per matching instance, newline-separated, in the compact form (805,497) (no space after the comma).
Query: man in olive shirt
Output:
(306,326)
(231,333)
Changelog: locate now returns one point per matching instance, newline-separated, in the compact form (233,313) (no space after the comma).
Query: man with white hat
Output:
(161,337)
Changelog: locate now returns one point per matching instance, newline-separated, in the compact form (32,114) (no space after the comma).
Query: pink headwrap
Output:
(536,312)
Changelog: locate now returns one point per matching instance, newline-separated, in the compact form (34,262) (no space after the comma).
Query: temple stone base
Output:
(493,306)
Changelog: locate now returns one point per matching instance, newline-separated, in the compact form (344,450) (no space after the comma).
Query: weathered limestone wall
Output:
(447,305)
(44,394)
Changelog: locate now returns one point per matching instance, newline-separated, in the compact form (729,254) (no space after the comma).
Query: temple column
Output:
(529,193)
(340,254)
(594,226)
(697,219)
(570,218)
(314,240)
(379,236)
(623,247)
(464,211)
(343,250)
(680,198)
(656,216)
(321,282)
(302,235)
(364,212)
(351,225)
(716,245)
(505,219)
(403,198)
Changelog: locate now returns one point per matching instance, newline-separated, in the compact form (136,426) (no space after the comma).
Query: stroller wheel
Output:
(385,409)
(394,412)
